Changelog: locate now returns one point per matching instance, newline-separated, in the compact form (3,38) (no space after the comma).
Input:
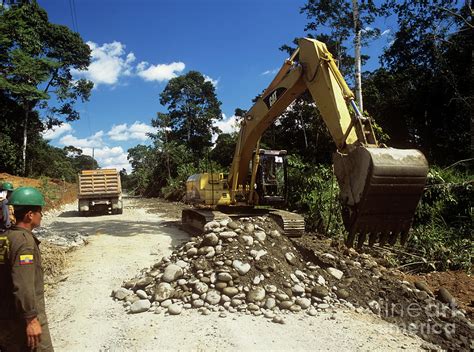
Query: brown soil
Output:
(56,192)
(459,283)
(401,304)
(19,181)
(54,259)
(170,210)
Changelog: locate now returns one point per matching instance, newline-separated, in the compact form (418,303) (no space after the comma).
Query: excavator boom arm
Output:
(316,72)
(370,176)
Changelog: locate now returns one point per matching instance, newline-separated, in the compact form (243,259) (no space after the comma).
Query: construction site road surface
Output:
(83,316)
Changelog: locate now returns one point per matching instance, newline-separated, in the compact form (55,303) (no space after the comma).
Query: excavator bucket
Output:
(379,190)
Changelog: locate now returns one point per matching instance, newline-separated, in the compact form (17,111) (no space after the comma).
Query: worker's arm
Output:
(22,262)
(5,213)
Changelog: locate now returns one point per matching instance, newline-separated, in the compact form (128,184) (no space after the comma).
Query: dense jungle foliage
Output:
(420,96)
(37,92)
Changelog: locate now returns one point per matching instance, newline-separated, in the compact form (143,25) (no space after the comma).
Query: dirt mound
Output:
(248,266)
(56,192)
(54,259)
(19,181)
(459,283)
(410,304)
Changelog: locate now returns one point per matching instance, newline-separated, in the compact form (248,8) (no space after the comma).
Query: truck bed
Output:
(99,183)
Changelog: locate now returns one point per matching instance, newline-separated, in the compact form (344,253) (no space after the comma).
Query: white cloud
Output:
(227,125)
(107,156)
(109,63)
(110,157)
(93,141)
(385,32)
(137,131)
(56,131)
(270,72)
(213,81)
(160,72)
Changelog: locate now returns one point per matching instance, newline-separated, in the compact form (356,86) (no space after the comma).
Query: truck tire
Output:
(119,210)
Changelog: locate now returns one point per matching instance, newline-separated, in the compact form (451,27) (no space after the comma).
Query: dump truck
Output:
(99,191)
(380,187)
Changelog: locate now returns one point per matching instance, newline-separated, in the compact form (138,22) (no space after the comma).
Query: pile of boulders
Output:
(247,266)
(237,266)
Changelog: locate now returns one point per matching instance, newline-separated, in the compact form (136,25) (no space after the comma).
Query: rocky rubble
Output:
(248,267)
(235,266)
(66,239)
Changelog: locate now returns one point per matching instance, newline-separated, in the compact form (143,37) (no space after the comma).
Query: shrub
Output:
(313,191)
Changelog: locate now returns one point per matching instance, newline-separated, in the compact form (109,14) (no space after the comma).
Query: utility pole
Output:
(357,45)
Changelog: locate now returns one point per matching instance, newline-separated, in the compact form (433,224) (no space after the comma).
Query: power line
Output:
(72,7)
(75,14)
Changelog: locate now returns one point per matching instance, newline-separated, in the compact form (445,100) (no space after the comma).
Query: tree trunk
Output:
(25,138)
(357,44)
(304,131)
(167,148)
(472,85)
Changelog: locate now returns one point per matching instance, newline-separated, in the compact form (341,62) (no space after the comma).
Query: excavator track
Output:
(291,224)
(193,220)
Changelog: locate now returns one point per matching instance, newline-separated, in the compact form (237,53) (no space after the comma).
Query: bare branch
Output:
(53,76)
(457,15)
(458,162)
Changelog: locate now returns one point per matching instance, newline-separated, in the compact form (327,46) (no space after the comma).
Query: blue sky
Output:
(137,46)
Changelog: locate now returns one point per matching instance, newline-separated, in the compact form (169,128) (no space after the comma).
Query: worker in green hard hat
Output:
(23,322)
(6,211)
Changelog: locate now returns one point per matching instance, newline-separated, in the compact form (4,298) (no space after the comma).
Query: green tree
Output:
(36,59)
(50,161)
(423,95)
(301,131)
(84,162)
(223,151)
(143,161)
(192,109)
(11,135)
(334,23)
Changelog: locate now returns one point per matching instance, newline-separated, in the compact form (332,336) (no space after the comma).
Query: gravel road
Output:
(83,316)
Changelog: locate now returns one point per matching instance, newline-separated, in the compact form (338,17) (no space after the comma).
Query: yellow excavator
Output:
(380,187)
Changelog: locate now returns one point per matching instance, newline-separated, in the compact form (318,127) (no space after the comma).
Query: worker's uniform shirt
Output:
(21,289)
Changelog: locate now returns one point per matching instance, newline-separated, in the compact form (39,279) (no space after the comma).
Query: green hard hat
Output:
(27,196)
(7,186)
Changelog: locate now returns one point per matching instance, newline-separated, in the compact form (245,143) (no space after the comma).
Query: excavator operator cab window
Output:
(271,177)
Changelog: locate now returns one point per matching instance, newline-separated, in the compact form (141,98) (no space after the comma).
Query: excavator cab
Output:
(271,177)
